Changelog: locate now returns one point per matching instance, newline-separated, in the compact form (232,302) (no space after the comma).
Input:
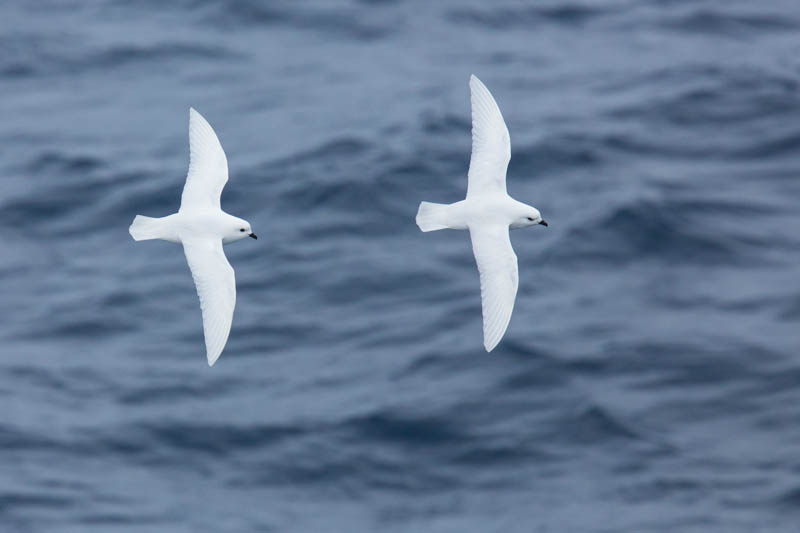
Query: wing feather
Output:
(216,287)
(497,264)
(491,144)
(208,166)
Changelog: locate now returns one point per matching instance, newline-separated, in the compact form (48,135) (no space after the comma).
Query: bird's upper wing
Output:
(216,287)
(497,264)
(208,166)
(491,145)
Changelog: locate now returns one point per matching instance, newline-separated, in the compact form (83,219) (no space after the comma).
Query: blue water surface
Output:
(650,377)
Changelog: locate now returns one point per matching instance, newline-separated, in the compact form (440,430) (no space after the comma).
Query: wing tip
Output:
(212,358)
(475,82)
(194,115)
(196,119)
(493,335)
(214,352)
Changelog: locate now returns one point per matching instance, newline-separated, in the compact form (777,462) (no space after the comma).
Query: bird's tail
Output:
(431,217)
(144,228)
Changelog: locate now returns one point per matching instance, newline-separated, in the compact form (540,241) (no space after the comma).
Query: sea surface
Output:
(650,377)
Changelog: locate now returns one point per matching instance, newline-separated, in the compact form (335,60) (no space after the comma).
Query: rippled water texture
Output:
(650,377)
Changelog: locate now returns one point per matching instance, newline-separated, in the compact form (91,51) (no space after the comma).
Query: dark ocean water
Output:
(650,377)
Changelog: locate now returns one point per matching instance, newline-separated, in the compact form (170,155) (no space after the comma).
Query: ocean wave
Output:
(504,18)
(341,21)
(718,22)
(62,57)
(645,229)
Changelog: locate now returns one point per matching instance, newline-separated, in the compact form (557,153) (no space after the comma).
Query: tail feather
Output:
(432,217)
(144,228)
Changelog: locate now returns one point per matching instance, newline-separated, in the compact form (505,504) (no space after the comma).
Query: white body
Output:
(487,212)
(202,227)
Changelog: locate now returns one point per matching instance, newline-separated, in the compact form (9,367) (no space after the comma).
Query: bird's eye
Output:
(529,218)
(241,229)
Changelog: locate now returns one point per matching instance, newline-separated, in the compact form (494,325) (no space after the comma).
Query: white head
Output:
(527,216)
(237,229)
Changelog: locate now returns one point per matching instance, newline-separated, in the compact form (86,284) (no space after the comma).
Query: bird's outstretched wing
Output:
(216,286)
(497,264)
(491,145)
(208,166)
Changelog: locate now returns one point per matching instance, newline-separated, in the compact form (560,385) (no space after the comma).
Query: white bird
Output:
(203,227)
(487,212)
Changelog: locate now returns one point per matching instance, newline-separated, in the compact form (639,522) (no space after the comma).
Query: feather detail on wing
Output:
(216,287)
(497,264)
(208,166)
(491,144)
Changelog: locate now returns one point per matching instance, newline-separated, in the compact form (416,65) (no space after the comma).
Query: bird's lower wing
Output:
(497,264)
(208,166)
(216,286)
(491,144)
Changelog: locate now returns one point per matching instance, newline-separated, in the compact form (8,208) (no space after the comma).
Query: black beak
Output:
(543,223)
(253,235)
